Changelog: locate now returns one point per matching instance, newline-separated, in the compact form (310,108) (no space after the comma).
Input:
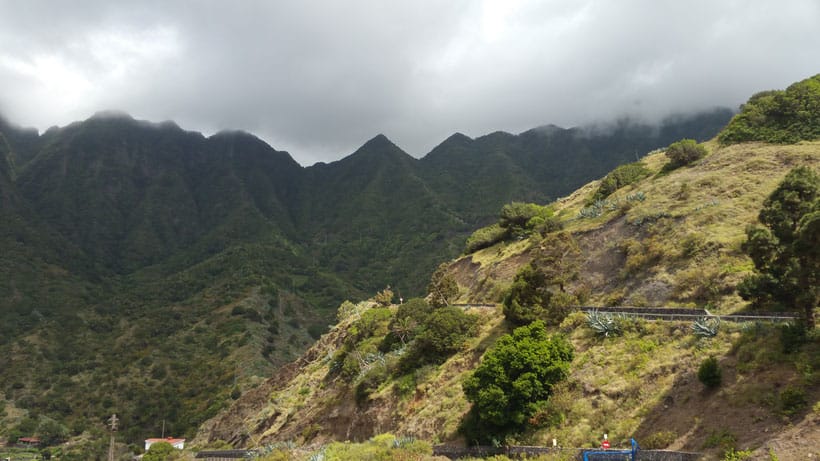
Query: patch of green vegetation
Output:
(684,152)
(516,221)
(777,116)
(709,372)
(621,176)
(659,440)
(514,380)
(785,252)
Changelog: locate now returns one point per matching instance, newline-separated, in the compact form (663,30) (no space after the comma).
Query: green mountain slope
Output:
(159,273)
(672,237)
(679,246)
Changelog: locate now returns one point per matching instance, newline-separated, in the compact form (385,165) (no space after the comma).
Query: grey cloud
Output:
(318,78)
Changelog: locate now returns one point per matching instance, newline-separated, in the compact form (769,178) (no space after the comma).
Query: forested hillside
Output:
(499,351)
(157,273)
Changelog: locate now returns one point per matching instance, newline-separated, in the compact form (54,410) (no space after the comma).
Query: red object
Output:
(605,444)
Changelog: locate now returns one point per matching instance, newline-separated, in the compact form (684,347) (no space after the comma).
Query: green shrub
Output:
(520,219)
(384,297)
(484,238)
(160,451)
(792,400)
(618,178)
(527,297)
(684,152)
(709,372)
(515,378)
(443,332)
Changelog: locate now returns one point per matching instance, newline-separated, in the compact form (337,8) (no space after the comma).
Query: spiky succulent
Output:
(603,323)
(706,327)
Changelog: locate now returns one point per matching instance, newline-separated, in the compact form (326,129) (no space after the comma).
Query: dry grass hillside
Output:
(671,239)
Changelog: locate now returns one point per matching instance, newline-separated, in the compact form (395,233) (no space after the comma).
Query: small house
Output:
(179,444)
(28,442)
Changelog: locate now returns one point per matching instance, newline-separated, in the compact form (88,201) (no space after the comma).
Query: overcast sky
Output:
(319,78)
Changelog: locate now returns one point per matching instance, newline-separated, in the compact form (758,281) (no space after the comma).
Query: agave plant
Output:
(402,442)
(706,327)
(636,197)
(603,323)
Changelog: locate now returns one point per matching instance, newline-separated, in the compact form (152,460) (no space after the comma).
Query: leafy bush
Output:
(443,332)
(618,178)
(406,324)
(527,298)
(517,214)
(684,152)
(384,297)
(484,238)
(792,400)
(515,377)
(520,219)
(160,451)
(778,116)
(709,372)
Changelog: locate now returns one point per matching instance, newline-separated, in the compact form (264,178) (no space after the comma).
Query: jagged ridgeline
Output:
(158,273)
(667,230)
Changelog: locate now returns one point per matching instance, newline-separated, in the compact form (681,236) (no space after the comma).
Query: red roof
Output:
(29,440)
(170,440)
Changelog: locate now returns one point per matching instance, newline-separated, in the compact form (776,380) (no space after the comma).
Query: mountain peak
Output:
(379,146)
(379,141)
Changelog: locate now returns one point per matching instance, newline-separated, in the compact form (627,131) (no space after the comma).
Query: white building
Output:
(179,444)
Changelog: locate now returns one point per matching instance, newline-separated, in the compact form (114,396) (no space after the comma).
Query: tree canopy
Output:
(517,376)
(540,289)
(785,252)
(778,116)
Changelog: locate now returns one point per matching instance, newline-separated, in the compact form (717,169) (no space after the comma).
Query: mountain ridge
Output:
(162,257)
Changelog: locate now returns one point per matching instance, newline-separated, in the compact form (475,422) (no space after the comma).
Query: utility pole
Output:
(113,422)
